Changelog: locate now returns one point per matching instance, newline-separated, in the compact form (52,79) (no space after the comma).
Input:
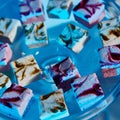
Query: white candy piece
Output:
(54,106)
(35,35)
(10,28)
(26,70)
(5,83)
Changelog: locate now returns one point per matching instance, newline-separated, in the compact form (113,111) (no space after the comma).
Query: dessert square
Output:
(89,12)
(110,31)
(59,8)
(35,34)
(31,11)
(14,101)
(5,83)
(5,54)
(110,60)
(54,106)
(64,73)
(26,70)
(73,37)
(87,91)
(10,29)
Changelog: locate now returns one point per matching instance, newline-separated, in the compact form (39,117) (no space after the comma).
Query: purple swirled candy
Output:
(89,12)
(31,11)
(87,91)
(15,100)
(64,73)
(59,8)
(110,60)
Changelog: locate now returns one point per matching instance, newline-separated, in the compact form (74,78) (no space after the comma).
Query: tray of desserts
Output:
(59,59)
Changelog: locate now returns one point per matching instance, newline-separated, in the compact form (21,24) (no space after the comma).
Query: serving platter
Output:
(87,62)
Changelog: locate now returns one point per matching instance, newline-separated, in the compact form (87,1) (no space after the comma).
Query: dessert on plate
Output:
(35,34)
(31,11)
(59,8)
(64,73)
(5,54)
(14,101)
(73,37)
(54,106)
(110,60)
(10,29)
(5,83)
(89,12)
(87,91)
(26,70)
(109,31)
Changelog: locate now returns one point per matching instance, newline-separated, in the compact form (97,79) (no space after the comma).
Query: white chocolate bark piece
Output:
(26,70)
(110,31)
(54,106)
(5,54)
(14,101)
(73,37)
(87,91)
(59,8)
(89,11)
(10,28)
(36,35)
(31,11)
(110,60)
(5,83)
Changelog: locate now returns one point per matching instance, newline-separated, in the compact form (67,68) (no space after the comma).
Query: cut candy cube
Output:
(59,8)
(26,70)
(64,73)
(31,11)
(73,37)
(87,91)
(35,35)
(54,106)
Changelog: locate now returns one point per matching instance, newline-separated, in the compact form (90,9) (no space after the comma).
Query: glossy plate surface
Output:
(87,62)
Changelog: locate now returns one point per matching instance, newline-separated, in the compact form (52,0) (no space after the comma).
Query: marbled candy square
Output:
(64,73)
(59,8)
(35,35)
(54,106)
(26,70)
(110,31)
(73,37)
(110,60)
(87,91)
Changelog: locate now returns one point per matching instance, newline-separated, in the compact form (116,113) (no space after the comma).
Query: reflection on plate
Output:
(87,61)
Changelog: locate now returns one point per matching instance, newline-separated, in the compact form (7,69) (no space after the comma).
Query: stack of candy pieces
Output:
(89,12)
(32,17)
(110,52)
